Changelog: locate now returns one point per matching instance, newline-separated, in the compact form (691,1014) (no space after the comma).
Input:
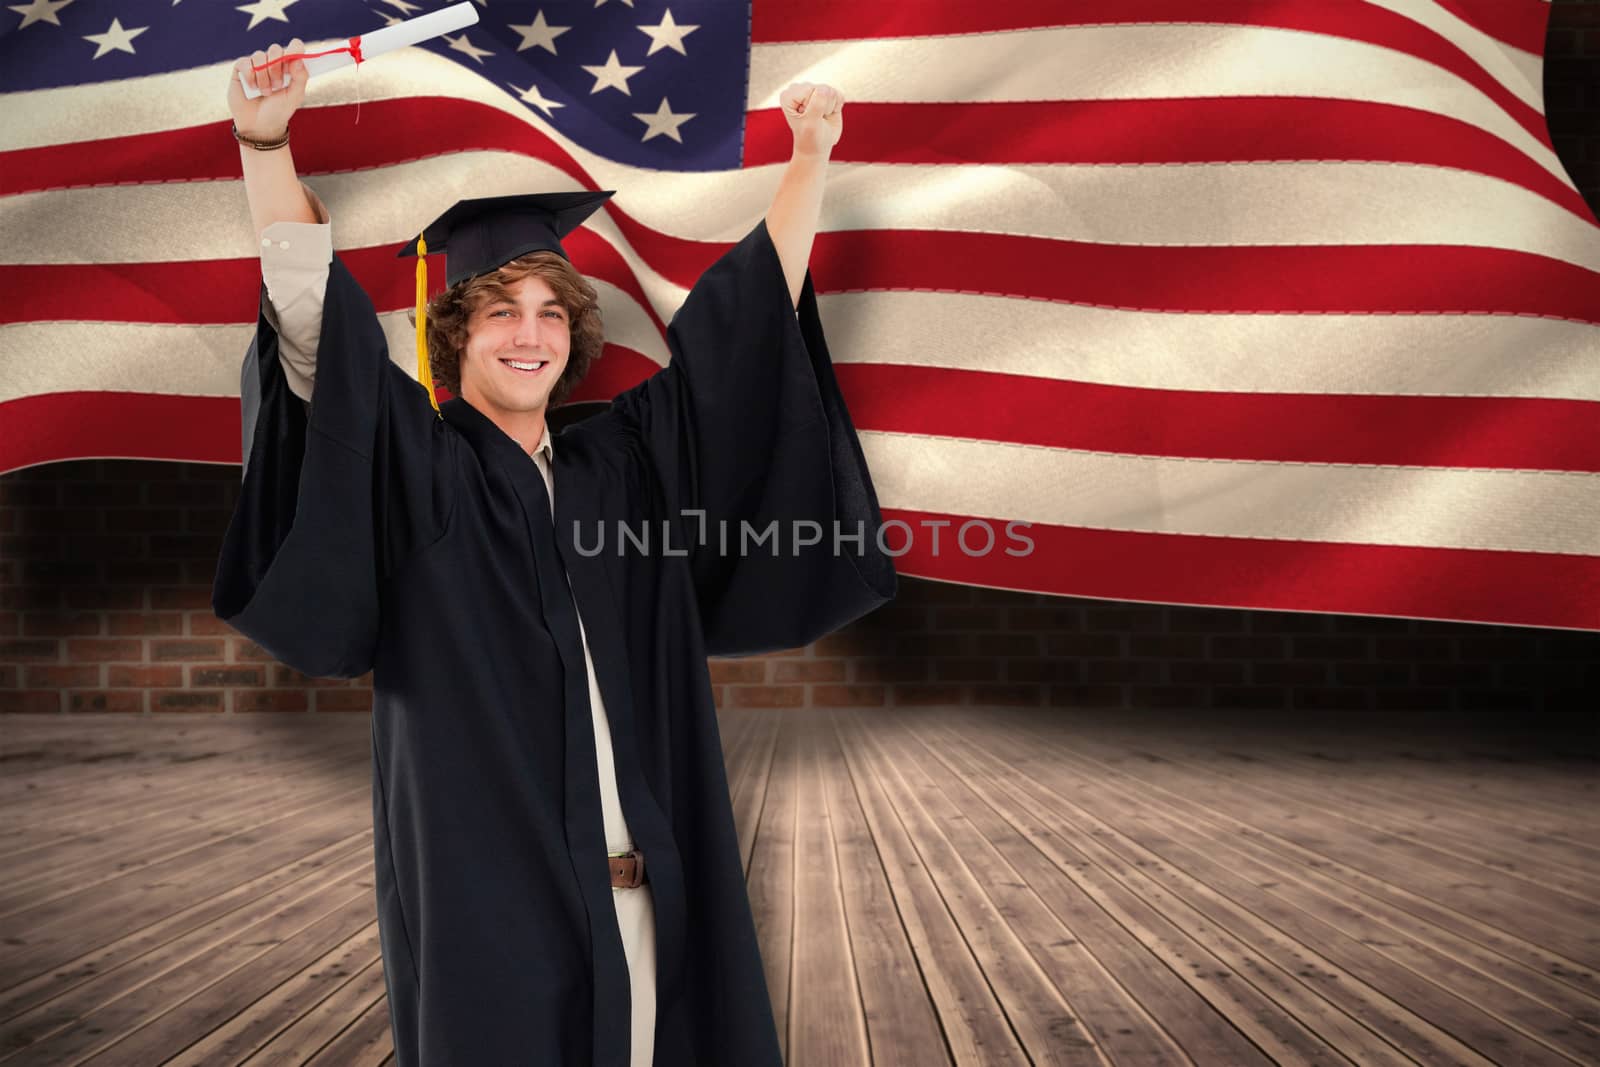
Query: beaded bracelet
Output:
(261,146)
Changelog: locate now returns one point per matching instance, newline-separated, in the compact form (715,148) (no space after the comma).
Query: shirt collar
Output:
(547,445)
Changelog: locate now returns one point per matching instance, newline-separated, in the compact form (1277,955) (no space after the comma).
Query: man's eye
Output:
(502,311)
(554,314)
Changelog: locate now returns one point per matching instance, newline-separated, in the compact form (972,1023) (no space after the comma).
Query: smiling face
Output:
(522,323)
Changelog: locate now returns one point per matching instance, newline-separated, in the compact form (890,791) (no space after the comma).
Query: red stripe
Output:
(51,427)
(1426,431)
(1233,129)
(779,21)
(1238,129)
(1468,585)
(1520,23)
(220,291)
(1293,279)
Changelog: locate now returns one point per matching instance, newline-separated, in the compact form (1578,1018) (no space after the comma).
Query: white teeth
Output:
(521,366)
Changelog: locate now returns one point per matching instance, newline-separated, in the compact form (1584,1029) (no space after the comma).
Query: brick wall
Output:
(106,568)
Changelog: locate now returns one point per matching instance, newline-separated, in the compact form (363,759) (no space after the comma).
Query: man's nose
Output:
(530,334)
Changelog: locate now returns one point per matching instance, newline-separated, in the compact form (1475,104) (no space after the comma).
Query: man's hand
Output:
(815,114)
(283,90)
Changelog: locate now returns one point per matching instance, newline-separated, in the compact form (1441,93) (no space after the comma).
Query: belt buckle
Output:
(638,868)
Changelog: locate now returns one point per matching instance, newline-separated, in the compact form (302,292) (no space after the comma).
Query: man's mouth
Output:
(530,367)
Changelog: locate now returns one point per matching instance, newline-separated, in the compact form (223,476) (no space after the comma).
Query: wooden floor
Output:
(931,886)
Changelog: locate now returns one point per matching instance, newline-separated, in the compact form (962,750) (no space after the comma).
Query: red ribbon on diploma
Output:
(354,48)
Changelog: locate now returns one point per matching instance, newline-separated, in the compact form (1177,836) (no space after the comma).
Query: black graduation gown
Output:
(372,534)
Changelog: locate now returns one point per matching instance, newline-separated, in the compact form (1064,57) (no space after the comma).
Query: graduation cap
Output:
(484,234)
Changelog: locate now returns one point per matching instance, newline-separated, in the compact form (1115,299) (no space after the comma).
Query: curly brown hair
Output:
(449,312)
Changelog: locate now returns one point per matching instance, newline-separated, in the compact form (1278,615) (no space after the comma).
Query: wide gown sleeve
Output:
(747,425)
(333,499)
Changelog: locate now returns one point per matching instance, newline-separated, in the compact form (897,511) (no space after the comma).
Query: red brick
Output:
(922,695)
(205,624)
(1297,672)
(1010,695)
(1167,646)
(1083,645)
(344,700)
(1045,618)
(23,648)
(1415,648)
(107,598)
(1085,696)
(966,670)
(972,618)
(931,645)
(55,624)
(1253,646)
(766,696)
(1043,670)
(30,701)
(1101,671)
(8,676)
(227,676)
(1166,696)
(724,671)
(144,677)
(59,676)
(1207,673)
(181,598)
(1381,674)
(1250,697)
(1333,698)
(186,700)
(167,649)
(144,624)
(244,650)
(808,670)
(80,649)
(247,700)
(890,670)
(1125,619)
(1006,644)
(123,700)
(142,572)
(835,696)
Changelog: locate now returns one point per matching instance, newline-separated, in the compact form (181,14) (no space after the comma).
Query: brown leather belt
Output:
(627,870)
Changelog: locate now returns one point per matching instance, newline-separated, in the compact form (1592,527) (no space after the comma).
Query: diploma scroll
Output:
(369,45)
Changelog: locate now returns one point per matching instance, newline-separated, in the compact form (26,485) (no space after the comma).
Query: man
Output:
(537,703)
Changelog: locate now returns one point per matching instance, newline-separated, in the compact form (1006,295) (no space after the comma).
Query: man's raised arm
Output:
(270,182)
(815,114)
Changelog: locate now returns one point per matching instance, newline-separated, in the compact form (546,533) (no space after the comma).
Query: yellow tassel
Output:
(424,371)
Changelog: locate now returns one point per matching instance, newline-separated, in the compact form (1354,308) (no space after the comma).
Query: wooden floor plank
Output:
(772,873)
(827,1026)
(901,1023)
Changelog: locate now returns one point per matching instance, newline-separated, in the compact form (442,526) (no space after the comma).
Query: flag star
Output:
(402,6)
(662,122)
(534,98)
(602,3)
(262,10)
(392,20)
(116,39)
(466,47)
(539,32)
(39,11)
(666,34)
(613,75)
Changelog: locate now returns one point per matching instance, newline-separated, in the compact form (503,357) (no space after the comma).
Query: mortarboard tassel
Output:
(424,372)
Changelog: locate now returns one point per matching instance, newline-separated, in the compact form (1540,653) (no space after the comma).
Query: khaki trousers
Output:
(636,918)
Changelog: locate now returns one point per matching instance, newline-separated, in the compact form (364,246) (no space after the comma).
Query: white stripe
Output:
(1127,62)
(62,357)
(1165,205)
(1385,355)
(1132,62)
(1419,506)
(1520,72)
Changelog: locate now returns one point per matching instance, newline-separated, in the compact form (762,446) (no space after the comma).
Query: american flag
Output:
(1284,305)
